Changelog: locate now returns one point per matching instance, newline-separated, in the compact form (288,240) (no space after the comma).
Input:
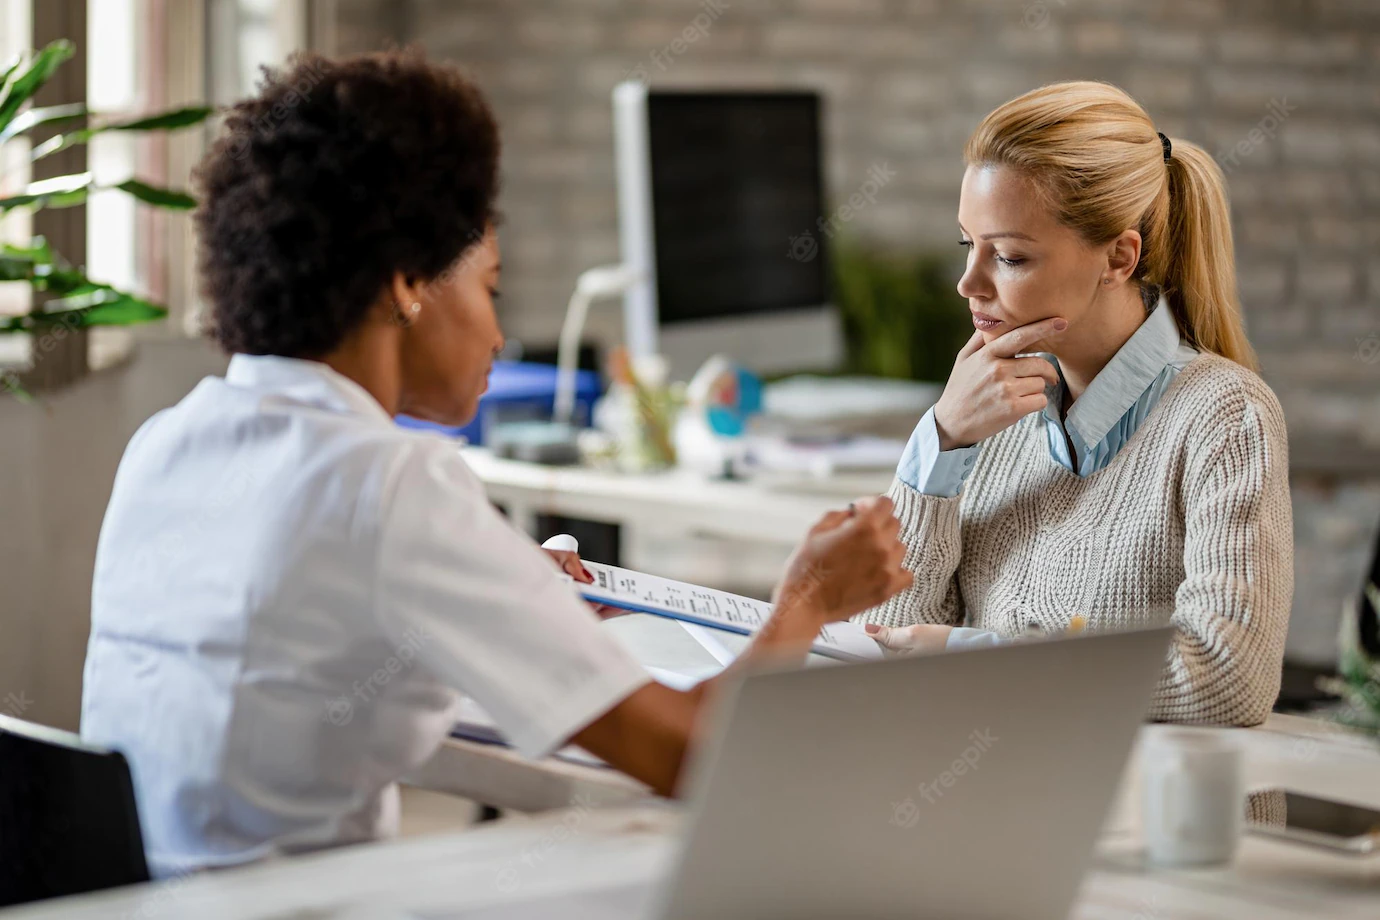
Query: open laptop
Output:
(967,784)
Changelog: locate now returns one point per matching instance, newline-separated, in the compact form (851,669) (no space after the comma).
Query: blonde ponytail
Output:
(1200,275)
(1097,155)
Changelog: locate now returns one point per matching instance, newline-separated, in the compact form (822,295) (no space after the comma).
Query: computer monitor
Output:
(720,207)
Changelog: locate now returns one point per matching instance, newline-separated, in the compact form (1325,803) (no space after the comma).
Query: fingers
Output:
(972,346)
(1022,337)
(1027,386)
(874,508)
(571,565)
(605,612)
(1033,403)
(879,513)
(1034,367)
(876,514)
(896,638)
(882,634)
(830,520)
(922,637)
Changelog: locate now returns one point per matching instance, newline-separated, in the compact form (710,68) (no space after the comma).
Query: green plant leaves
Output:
(77,301)
(91,305)
(10,69)
(23,263)
(104,306)
(171,199)
(49,115)
(59,192)
(23,87)
(170,120)
(902,317)
(68,191)
(80,302)
(38,251)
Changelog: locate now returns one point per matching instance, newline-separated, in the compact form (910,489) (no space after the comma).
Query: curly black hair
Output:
(336,176)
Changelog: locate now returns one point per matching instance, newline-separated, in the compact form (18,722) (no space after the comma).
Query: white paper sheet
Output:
(643,593)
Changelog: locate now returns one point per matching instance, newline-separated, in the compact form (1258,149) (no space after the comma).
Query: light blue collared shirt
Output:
(1098,425)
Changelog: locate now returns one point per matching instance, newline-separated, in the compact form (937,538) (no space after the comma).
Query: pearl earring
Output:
(1106,280)
(416,308)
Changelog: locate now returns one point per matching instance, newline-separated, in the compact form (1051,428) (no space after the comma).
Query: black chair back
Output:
(1369,620)
(68,820)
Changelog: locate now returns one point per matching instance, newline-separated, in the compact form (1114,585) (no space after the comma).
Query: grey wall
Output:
(905,82)
(1285,93)
(57,461)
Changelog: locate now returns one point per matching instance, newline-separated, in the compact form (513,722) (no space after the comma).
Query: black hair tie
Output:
(1168,147)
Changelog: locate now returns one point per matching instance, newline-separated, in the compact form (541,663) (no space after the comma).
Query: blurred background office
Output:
(1286,94)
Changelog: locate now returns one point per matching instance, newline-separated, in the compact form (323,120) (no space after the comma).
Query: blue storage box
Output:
(518,391)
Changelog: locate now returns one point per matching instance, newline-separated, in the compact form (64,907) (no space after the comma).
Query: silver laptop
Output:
(967,784)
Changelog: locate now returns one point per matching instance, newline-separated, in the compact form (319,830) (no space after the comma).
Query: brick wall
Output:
(1285,93)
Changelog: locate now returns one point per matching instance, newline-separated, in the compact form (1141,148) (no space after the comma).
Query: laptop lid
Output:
(965,784)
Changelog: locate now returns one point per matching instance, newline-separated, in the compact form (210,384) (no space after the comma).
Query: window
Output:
(143,56)
(16,30)
(121,77)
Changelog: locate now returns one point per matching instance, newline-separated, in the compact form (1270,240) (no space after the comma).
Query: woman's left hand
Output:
(571,565)
(922,637)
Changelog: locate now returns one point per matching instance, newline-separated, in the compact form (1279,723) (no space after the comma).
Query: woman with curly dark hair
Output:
(290,590)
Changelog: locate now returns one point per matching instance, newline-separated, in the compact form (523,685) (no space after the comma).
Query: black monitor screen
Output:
(736,201)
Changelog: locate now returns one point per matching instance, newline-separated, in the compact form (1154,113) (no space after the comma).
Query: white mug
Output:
(1191,797)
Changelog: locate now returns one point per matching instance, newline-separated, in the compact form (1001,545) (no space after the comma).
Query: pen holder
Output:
(639,413)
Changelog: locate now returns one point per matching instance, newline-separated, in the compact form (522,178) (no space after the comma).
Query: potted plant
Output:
(71,300)
(902,317)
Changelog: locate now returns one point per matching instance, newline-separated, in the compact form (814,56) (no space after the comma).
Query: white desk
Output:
(498,776)
(589,862)
(735,535)
(675,500)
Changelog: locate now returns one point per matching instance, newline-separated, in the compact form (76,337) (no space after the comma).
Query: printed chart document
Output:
(642,593)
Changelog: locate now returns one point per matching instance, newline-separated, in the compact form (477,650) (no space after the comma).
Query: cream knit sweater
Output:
(1189,524)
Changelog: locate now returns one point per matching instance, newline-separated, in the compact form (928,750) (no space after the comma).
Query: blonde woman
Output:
(1135,471)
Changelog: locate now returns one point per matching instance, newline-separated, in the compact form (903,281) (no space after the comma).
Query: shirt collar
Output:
(308,382)
(1126,377)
